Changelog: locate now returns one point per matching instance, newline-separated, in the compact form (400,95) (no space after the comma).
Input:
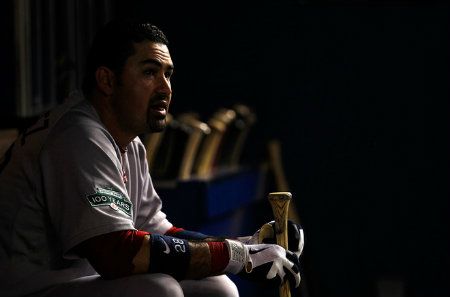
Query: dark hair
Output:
(113,44)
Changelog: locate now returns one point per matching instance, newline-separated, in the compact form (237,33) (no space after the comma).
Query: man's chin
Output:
(157,126)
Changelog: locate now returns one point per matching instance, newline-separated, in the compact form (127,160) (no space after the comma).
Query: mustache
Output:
(159,97)
(159,101)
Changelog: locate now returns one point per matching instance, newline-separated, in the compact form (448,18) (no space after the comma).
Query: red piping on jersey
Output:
(174,230)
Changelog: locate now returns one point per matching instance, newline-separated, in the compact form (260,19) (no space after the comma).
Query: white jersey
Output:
(64,181)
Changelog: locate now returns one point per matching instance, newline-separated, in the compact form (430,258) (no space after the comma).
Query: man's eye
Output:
(149,72)
(169,74)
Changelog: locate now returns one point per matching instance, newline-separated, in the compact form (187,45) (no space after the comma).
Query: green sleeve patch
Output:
(112,198)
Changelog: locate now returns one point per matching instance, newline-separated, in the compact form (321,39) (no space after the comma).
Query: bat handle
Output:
(279,201)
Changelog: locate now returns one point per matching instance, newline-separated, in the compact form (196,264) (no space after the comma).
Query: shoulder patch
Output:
(110,197)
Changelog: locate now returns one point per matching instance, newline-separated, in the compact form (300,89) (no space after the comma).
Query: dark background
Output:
(357,92)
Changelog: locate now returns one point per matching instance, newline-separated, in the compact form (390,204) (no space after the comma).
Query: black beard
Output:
(156,126)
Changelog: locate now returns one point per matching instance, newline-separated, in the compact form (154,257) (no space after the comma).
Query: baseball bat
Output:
(279,201)
(281,182)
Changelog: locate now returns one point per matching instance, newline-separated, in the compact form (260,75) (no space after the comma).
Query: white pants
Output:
(145,285)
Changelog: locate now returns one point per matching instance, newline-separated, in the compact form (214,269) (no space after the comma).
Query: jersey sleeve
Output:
(83,184)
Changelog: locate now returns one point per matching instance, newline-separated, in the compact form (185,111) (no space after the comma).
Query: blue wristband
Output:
(169,255)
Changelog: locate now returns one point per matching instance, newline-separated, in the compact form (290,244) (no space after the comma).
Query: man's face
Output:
(142,94)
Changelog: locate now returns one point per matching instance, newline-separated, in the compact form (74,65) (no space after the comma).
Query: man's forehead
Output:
(147,51)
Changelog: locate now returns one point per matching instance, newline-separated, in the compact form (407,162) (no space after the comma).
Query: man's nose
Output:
(165,86)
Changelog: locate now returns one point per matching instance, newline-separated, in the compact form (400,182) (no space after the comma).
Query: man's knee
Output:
(161,285)
(225,287)
(141,285)
(215,286)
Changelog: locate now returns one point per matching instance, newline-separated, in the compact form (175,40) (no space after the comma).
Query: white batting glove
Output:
(266,234)
(263,261)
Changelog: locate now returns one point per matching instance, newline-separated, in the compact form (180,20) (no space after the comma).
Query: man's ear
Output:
(105,80)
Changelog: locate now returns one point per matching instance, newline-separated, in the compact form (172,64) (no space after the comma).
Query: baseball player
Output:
(80,216)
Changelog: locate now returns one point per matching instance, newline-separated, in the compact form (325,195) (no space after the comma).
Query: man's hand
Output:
(266,234)
(263,262)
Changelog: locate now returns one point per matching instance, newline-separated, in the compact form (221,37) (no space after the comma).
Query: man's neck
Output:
(109,120)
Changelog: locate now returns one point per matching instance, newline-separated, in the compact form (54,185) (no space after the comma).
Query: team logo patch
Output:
(110,197)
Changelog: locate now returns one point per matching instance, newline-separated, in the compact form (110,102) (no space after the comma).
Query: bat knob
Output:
(280,196)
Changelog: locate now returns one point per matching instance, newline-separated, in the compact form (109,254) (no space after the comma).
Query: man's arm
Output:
(199,265)
(128,252)
(192,235)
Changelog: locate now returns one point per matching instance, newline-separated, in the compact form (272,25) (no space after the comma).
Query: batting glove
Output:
(266,234)
(260,262)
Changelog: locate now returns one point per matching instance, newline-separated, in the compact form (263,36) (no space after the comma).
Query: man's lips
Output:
(160,104)
(160,107)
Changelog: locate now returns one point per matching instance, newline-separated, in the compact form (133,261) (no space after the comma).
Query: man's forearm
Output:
(142,258)
(199,263)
